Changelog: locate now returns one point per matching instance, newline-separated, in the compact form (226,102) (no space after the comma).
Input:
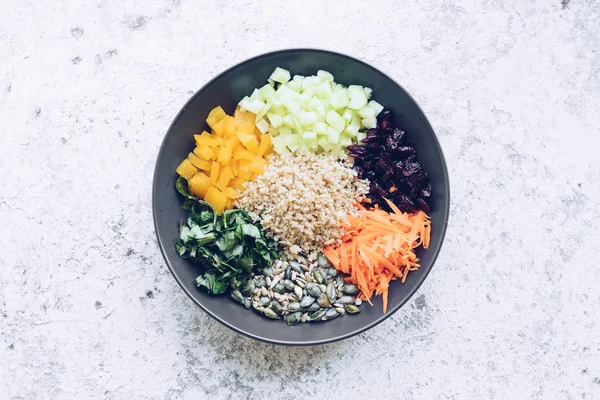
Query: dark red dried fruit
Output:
(387,158)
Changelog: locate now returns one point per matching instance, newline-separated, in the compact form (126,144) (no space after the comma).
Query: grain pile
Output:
(302,201)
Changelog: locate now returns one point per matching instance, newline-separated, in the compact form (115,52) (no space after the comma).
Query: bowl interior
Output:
(225,91)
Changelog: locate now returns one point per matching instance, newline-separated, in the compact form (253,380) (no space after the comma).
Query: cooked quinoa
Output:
(302,201)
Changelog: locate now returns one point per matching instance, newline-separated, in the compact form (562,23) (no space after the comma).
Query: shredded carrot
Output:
(379,247)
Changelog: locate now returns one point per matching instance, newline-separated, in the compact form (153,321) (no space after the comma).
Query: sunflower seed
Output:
(277,271)
(307,301)
(331,314)
(331,292)
(304,317)
(358,301)
(317,315)
(346,300)
(340,310)
(269,281)
(295,306)
(309,278)
(352,309)
(298,291)
(236,295)
(323,288)
(293,275)
(271,293)
(313,289)
(301,283)
(305,268)
(270,313)
(350,289)
(292,319)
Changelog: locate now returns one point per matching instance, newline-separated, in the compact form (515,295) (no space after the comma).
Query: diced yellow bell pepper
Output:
(205,153)
(243,154)
(214,172)
(225,175)
(229,125)
(215,116)
(257,167)
(244,128)
(252,146)
(265,144)
(230,193)
(245,173)
(235,167)
(216,199)
(224,157)
(244,117)
(186,169)
(205,139)
(199,163)
(237,184)
(199,184)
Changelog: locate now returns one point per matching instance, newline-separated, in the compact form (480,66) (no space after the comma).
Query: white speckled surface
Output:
(88,308)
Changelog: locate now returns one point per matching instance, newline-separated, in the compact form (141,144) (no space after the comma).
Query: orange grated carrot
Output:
(379,247)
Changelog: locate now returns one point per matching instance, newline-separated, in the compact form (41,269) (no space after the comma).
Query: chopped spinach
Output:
(231,247)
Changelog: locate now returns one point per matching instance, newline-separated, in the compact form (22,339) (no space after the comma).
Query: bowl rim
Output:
(347,335)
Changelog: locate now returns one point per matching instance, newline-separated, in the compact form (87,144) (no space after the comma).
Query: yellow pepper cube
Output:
(257,167)
(214,172)
(265,144)
(215,116)
(224,156)
(243,154)
(244,117)
(216,199)
(205,139)
(235,167)
(204,153)
(230,193)
(245,128)
(252,146)
(186,169)
(199,184)
(229,125)
(237,184)
(199,163)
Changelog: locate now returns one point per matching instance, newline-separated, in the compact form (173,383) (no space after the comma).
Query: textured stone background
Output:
(87,306)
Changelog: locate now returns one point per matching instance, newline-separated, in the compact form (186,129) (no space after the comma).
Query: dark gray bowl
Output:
(226,90)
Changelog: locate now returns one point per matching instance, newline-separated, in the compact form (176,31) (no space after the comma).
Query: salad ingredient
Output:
(288,290)
(311,112)
(225,159)
(231,247)
(302,200)
(378,247)
(387,159)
